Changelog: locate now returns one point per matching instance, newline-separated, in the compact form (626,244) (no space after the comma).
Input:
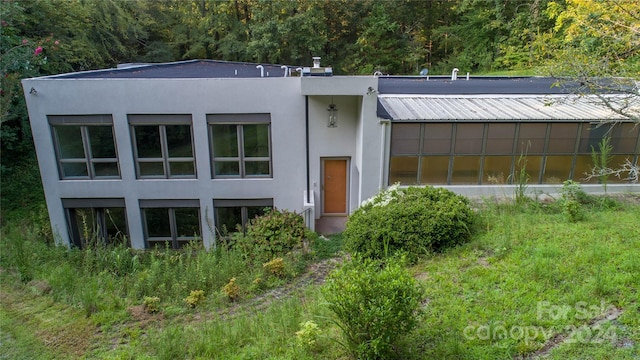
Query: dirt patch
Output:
(142,317)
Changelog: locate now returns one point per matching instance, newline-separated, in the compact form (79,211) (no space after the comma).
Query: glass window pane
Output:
(151,168)
(403,169)
(435,170)
(531,138)
(227,168)
(101,140)
(225,140)
(624,138)
(496,170)
(590,136)
(405,139)
(531,165)
(556,169)
(500,138)
(584,164)
(87,225)
(256,140)
(116,224)
(466,170)
(256,168)
(469,138)
(182,168)
(157,222)
(187,222)
(255,211)
(148,141)
(70,142)
(74,169)
(109,169)
(437,139)
(179,140)
(228,220)
(562,139)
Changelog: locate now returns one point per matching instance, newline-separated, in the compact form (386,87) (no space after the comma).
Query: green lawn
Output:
(528,278)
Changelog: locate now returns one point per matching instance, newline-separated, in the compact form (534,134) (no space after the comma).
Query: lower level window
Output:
(171,223)
(96,222)
(234,215)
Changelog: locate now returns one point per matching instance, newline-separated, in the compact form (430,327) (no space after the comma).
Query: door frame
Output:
(347,185)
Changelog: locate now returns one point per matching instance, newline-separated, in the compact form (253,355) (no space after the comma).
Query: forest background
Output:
(577,39)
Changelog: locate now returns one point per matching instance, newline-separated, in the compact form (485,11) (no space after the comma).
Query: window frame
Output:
(243,204)
(162,121)
(98,206)
(174,239)
(83,122)
(239,121)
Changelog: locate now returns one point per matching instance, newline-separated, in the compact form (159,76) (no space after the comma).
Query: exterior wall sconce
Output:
(333,115)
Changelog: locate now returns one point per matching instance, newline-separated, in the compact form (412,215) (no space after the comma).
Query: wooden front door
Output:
(335,182)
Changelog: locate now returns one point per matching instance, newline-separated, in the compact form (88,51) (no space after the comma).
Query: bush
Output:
(416,220)
(273,234)
(374,305)
(573,197)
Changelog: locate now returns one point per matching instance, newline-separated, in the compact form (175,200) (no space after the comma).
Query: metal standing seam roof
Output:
(420,108)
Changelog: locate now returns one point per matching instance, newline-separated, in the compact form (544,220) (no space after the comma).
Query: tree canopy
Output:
(583,39)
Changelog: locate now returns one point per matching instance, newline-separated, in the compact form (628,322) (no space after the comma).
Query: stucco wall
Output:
(280,97)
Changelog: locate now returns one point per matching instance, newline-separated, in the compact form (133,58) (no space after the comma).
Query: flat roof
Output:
(475,85)
(190,69)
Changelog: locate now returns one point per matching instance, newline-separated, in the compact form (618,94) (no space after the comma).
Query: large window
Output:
(240,145)
(171,223)
(163,146)
(85,146)
(233,215)
(93,222)
(492,153)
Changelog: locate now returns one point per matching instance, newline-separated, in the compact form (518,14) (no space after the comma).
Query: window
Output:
(163,146)
(240,145)
(85,146)
(495,152)
(234,215)
(96,221)
(171,223)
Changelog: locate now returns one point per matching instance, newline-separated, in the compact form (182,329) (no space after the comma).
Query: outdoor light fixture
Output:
(333,114)
(33,91)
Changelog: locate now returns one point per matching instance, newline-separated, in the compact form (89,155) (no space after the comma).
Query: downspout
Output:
(306,127)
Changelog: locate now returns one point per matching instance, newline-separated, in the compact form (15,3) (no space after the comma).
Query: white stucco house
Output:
(169,153)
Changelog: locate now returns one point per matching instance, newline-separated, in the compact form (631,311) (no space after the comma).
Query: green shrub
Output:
(273,234)
(374,305)
(573,197)
(195,297)
(416,220)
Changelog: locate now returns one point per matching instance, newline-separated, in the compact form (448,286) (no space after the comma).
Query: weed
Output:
(195,297)
(231,290)
(275,267)
(151,304)
(601,160)
(308,335)
(520,177)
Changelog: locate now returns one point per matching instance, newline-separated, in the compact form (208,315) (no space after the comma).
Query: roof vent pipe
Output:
(286,70)
(261,70)
(316,62)
(454,74)
(467,76)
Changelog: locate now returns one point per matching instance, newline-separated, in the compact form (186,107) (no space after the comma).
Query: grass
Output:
(529,275)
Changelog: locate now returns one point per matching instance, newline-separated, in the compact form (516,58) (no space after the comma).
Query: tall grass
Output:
(525,254)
